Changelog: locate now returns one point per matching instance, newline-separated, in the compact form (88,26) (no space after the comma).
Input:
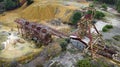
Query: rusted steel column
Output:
(96,29)
(90,37)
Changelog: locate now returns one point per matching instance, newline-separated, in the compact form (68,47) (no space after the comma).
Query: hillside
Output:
(45,10)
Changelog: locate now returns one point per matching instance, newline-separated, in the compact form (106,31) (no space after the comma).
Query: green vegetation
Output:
(9,4)
(112,2)
(84,63)
(108,42)
(12,4)
(29,2)
(67,40)
(89,12)
(106,28)
(109,26)
(106,1)
(91,5)
(116,37)
(64,44)
(76,17)
(118,6)
(1,0)
(104,6)
(87,62)
(99,15)
(95,1)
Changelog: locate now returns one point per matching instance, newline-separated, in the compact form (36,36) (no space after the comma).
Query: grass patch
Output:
(116,37)
(84,63)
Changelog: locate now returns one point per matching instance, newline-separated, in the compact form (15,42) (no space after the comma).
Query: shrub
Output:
(109,26)
(9,4)
(104,6)
(116,37)
(99,15)
(63,45)
(91,5)
(95,1)
(89,12)
(106,28)
(118,5)
(67,40)
(84,63)
(76,17)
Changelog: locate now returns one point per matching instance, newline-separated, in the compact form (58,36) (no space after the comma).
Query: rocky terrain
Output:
(57,14)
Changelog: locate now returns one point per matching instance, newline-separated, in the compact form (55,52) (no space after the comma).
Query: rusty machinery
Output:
(96,44)
(43,34)
(39,32)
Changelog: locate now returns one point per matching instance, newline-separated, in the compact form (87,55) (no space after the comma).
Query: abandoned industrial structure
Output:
(43,34)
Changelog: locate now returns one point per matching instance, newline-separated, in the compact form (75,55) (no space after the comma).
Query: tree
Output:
(76,17)
(99,15)
(63,45)
(104,6)
(9,4)
(17,2)
(118,5)
(84,63)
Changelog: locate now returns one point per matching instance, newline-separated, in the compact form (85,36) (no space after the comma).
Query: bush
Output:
(99,15)
(91,5)
(104,6)
(106,28)
(118,5)
(63,45)
(84,63)
(95,1)
(109,26)
(89,12)
(108,1)
(9,4)
(76,17)
(67,40)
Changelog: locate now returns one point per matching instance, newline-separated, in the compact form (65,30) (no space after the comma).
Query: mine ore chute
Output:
(38,32)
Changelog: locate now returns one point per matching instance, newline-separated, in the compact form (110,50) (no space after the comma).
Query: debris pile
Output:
(43,10)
